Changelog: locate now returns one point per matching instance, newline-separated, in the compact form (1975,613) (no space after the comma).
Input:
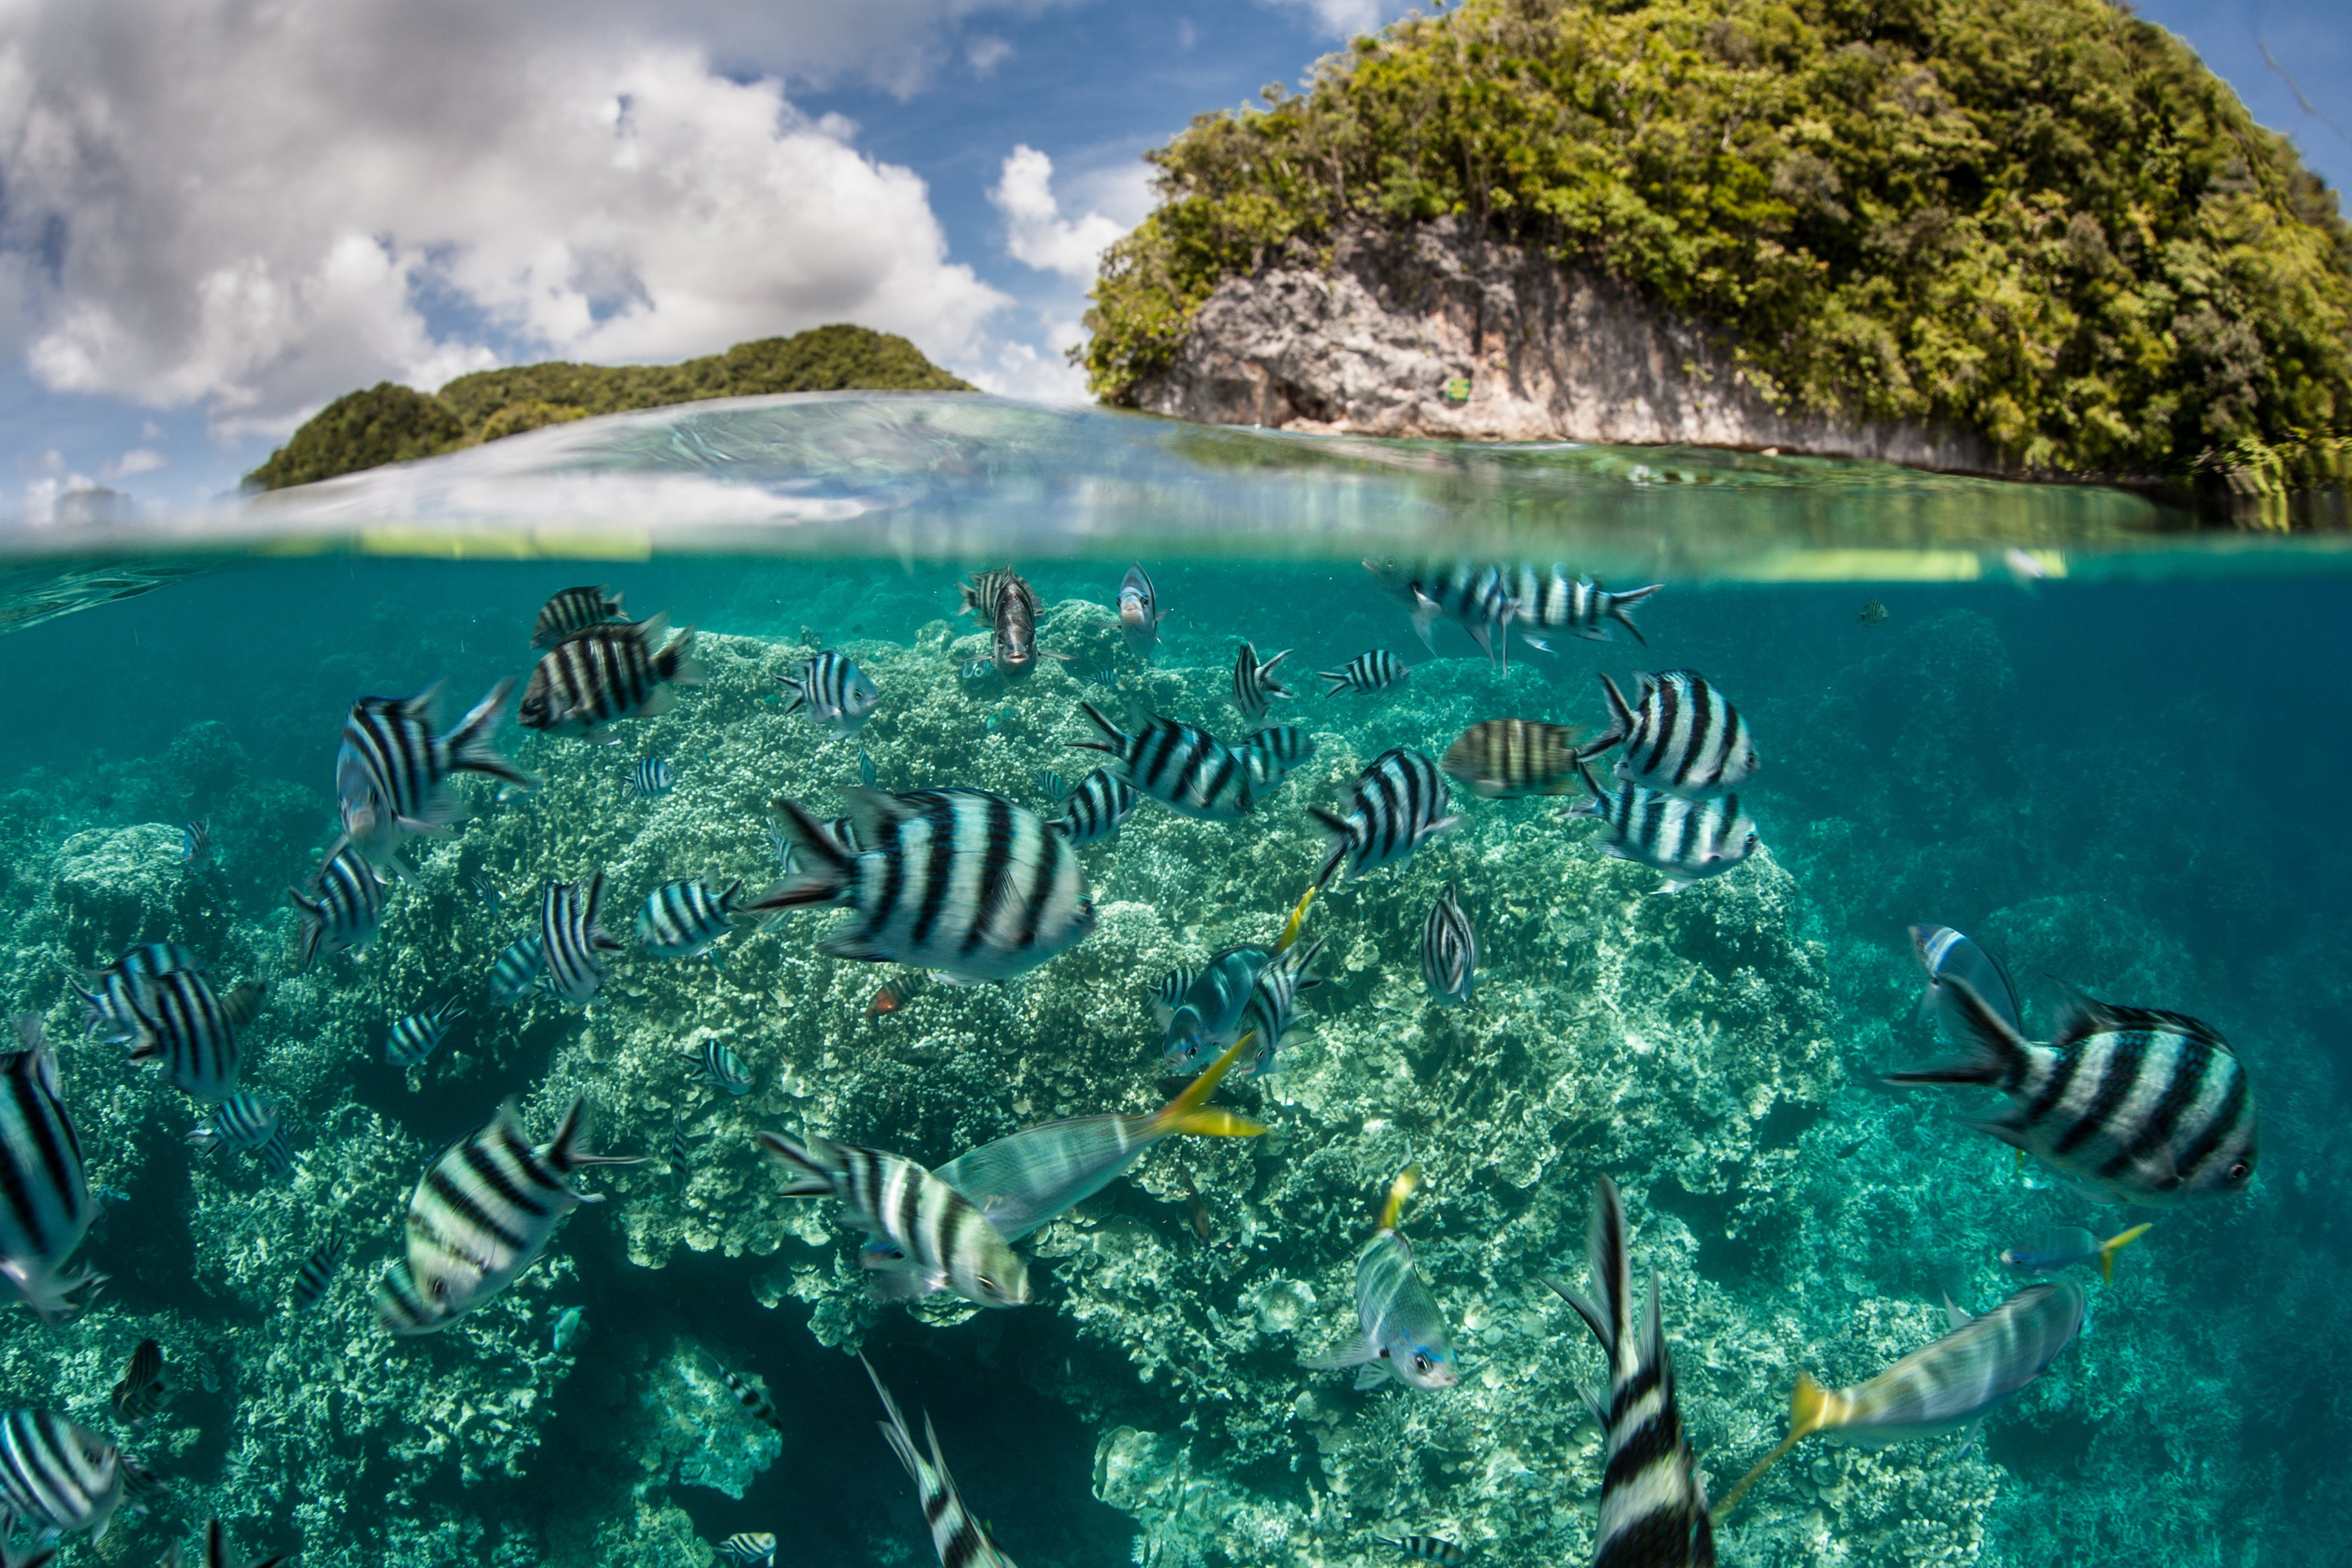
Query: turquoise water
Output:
(2113,760)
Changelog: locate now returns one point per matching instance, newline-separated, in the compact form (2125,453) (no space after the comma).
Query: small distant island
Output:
(388,423)
(2034,237)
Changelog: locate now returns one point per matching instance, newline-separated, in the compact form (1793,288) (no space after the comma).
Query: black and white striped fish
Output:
(1272,1010)
(392,773)
(196,839)
(652,777)
(1652,1504)
(571,943)
(1189,771)
(1547,604)
(1503,759)
(1680,735)
(243,1120)
(1379,670)
(753,1398)
(318,1272)
(1094,809)
(1449,950)
(840,829)
(986,589)
(45,1199)
(419,1034)
(56,1476)
(957,881)
(1426,1549)
(1014,651)
(712,1063)
(1055,786)
(107,994)
(750,1549)
(570,609)
(836,693)
(1398,802)
(607,672)
(518,965)
(961,1540)
(1255,688)
(1688,840)
(1475,598)
(179,1021)
(348,907)
(923,1230)
(139,1391)
(682,920)
(1139,614)
(403,1309)
(2143,1106)
(1274,753)
(486,1208)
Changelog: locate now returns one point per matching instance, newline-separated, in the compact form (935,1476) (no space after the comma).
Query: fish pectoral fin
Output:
(1372,1376)
(1355,1353)
(904,1284)
(2009,1132)
(1595,1403)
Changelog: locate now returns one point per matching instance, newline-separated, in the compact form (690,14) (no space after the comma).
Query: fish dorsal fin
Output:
(871,810)
(1955,1315)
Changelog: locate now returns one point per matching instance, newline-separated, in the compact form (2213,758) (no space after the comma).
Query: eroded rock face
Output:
(1367,341)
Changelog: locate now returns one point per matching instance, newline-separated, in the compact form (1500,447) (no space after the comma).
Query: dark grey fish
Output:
(1189,771)
(721,1068)
(1199,1010)
(1654,1509)
(836,693)
(1503,759)
(139,1391)
(1014,650)
(1405,1335)
(1680,735)
(1547,604)
(517,966)
(1094,809)
(682,920)
(1255,688)
(924,1231)
(1139,614)
(1687,839)
(1399,801)
(180,1021)
(755,1402)
(982,594)
(392,773)
(2144,1106)
(604,673)
(318,1272)
(56,1476)
(347,909)
(419,1034)
(1449,950)
(961,1540)
(958,880)
(651,777)
(570,609)
(572,944)
(1379,670)
(403,1308)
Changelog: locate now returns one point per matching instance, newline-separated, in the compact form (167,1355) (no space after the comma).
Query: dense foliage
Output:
(387,423)
(2042,220)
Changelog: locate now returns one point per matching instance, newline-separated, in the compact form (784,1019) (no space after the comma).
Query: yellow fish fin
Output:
(1298,918)
(1398,1190)
(2115,1243)
(1809,1411)
(1190,1112)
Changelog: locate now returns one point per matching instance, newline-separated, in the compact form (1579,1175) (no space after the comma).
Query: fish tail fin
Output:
(470,743)
(1619,602)
(2115,1243)
(1407,1181)
(1342,836)
(1339,679)
(1808,1414)
(1424,619)
(1999,1055)
(821,871)
(564,1152)
(675,663)
(313,916)
(54,1297)
(1607,1256)
(799,692)
(805,1174)
(1298,918)
(1190,1112)
(1113,739)
(1620,721)
(893,1430)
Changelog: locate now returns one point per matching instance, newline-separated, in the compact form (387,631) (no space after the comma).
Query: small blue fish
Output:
(721,1068)
(1054,784)
(516,967)
(2063,1246)
(650,778)
(196,839)
(417,1037)
(568,1327)
(867,771)
(486,890)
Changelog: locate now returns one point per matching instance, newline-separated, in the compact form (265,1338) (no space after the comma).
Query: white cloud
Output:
(138,460)
(985,53)
(253,210)
(1343,19)
(1036,232)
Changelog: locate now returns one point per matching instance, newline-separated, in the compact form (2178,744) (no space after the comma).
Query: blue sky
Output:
(204,234)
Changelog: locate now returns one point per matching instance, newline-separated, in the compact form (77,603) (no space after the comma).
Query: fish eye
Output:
(986,1283)
(2240,1171)
(1421,1362)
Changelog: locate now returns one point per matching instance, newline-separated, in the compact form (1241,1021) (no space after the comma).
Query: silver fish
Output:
(1094,809)
(109,996)
(1271,1011)
(1399,801)
(1405,1335)
(567,1328)
(721,1068)
(1200,1011)
(46,1203)
(516,968)
(1379,670)
(1274,753)
(1139,614)
(180,1021)
(652,777)
(683,919)
(1476,598)
(750,1549)
(927,1236)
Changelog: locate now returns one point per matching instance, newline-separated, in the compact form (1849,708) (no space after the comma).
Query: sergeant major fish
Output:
(1271,1010)
(927,1236)
(1399,801)
(484,1211)
(572,944)
(607,672)
(1688,840)
(45,1205)
(753,1398)
(1680,735)
(2140,1105)
(2063,1246)
(1273,755)
(1094,809)
(178,1021)
(419,1034)
(750,1549)
(569,610)
(243,1120)
(1449,950)
(651,778)
(1653,1511)
(1582,608)
(836,693)
(518,965)
(196,841)
(1942,1386)
(318,1272)
(392,773)
(139,1391)
(1189,771)
(714,1064)
(958,880)
(1139,614)
(347,911)
(1505,759)
(1475,598)
(1405,1335)
(683,919)
(1379,670)
(1020,1181)
(1426,1549)
(108,995)
(961,1540)
(982,594)
(1254,687)
(57,1476)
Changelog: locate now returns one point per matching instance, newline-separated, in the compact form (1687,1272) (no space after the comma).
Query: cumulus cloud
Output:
(1036,232)
(254,209)
(138,460)
(1344,19)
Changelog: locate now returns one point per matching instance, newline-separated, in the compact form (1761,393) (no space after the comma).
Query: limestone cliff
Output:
(1441,329)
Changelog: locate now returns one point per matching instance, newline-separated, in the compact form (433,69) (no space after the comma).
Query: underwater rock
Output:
(114,888)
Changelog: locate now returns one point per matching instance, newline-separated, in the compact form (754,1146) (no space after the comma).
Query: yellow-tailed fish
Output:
(1940,1387)
(1298,920)
(2063,1246)
(1405,1335)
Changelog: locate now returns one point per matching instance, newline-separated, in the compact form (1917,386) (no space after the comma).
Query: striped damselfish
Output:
(483,1211)
(712,1063)
(1654,1509)
(1688,840)
(107,994)
(318,1272)
(56,1476)
(1398,802)
(45,1206)
(651,777)
(924,1234)
(750,1549)
(961,1540)
(958,880)
(516,966)
(1680,735)
(2141,1106)
(569,609)
(1426,1549)
(1449,950)
(836,693)
(1476,598)
(1274,753)
(1379,670)
(1543,604)
(1503,759)
(392,773)
(1187,770)
(1020,1181)
(178,1020)
(243,1120)
(419,1034)
(1940,1387)
(1271,1010)
(1094,809)
(608,671)
(572,944)
(348,907)
(682,920)
(1254,687)
(1403,1334)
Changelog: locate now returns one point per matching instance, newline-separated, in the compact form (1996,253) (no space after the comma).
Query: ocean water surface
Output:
(2106,742)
